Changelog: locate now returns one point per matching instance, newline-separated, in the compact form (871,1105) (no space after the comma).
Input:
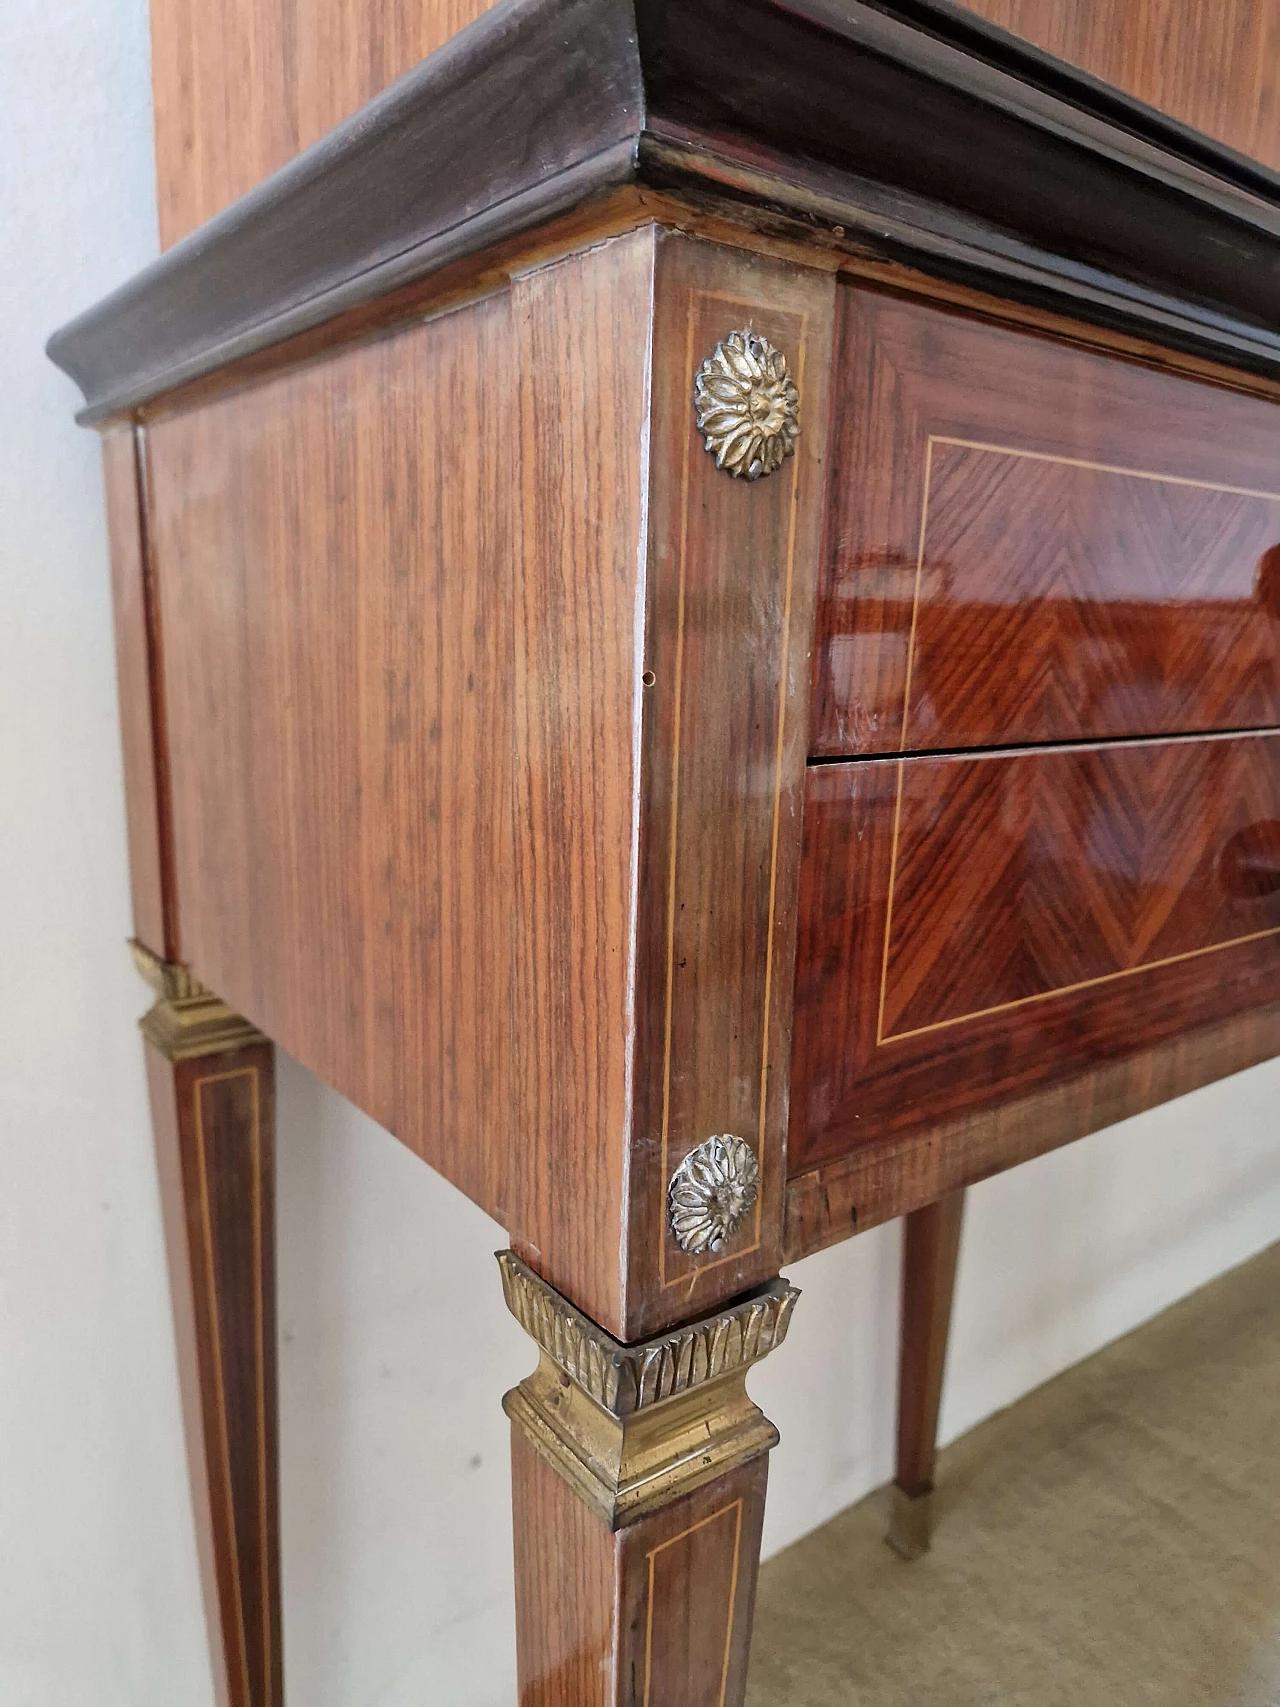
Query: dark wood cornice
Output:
(926,135)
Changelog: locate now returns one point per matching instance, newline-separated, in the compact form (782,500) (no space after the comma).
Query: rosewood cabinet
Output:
(698,614)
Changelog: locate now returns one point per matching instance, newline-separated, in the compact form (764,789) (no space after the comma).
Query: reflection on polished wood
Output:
(880,1179)
(1030,542)
(974,928)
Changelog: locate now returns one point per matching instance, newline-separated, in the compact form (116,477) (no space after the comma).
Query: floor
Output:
(1113,1539)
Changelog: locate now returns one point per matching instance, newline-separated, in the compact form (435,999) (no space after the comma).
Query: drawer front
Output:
(1031,542)
(976,927)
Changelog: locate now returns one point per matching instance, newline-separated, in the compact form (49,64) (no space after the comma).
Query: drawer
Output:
(976,927)
(1031,542)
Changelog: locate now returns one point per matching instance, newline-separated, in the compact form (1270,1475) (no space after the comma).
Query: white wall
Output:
(395,1346)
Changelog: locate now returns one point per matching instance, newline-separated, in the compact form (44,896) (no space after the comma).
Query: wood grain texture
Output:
(731,578)
(974,927)
(885,1178)
(241,86)
(488,777)
(1034,542)
(658,1615)
(214,1125)
(930,1252)
(1212,67)
(402,613)
(565,1589)
(145,777)
(583,341)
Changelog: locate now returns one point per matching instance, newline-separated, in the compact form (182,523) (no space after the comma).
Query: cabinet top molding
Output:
(910,129)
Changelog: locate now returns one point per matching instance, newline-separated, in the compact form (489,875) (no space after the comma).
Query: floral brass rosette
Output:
(711,1193)
(747,405)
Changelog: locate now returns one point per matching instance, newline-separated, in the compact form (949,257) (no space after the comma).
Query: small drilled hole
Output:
(648,678)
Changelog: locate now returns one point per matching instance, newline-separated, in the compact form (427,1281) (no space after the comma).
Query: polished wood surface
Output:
(1030,541)
(974,927)
(657,1615)
(479,700)
(454,734)
(400,680)
(930,1252)
(731,577)
(1212,66)
(214,1124)
(145,776)
(241,86)
(885,1178)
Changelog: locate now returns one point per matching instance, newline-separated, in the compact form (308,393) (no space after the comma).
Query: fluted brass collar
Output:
(631,1428)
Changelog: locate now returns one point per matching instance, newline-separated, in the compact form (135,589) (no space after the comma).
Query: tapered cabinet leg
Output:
(211,1080)
(638,1497)
(931,1248)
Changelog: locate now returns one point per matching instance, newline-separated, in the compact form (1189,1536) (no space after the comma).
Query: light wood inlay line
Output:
(739,1252)
(713,1517)
(206,1219)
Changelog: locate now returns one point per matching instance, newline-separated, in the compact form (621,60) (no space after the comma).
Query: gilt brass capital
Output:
(187,1020)
(632,1428)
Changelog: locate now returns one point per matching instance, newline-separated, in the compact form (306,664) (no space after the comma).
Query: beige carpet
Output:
(1113,1539)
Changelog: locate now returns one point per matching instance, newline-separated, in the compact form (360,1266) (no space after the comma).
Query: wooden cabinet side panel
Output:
(145,815)
(732,571)
(1212,66)
(241,86)
(401,601)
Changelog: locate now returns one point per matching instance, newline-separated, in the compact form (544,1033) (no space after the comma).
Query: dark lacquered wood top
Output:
(973,928)
(899,131)
(1030,542)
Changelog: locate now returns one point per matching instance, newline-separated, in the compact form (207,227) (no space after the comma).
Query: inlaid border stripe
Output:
(206,1220)
(694,298)
(736,1509)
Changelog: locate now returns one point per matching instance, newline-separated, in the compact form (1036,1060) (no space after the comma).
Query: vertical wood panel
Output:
(1212,65)
(241,86)
(733,568)
(142,791)
(583,330)
(401,599)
